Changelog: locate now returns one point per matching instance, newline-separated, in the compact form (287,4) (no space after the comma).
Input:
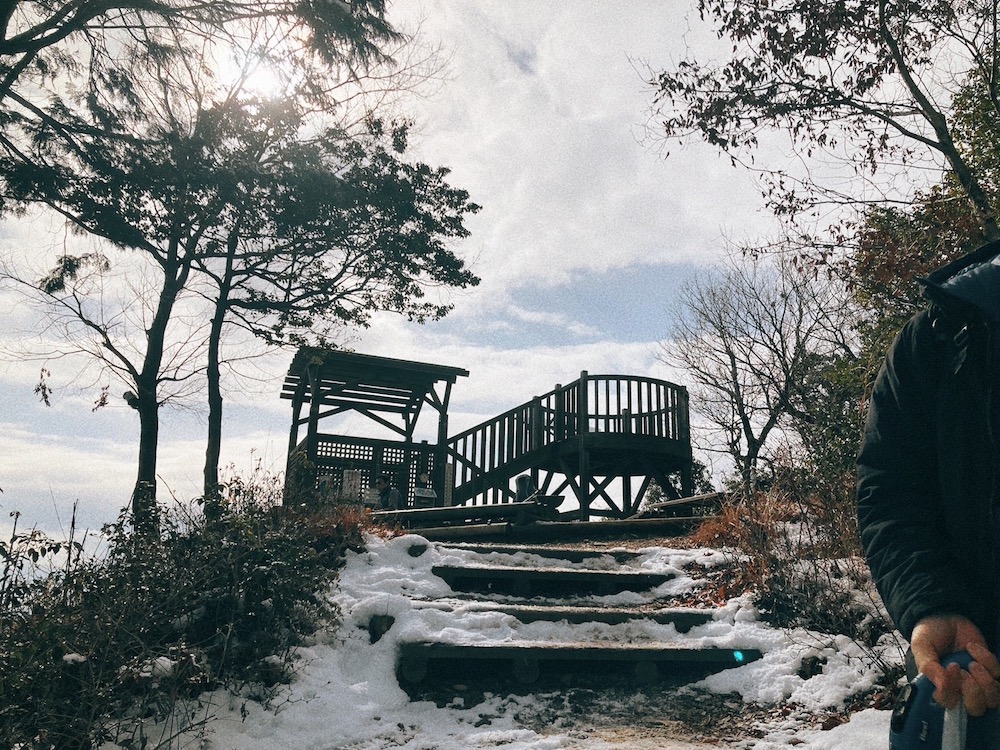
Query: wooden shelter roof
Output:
(365,382)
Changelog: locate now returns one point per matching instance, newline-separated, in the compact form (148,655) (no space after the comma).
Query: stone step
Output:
(526,581)
(570,554)
(683,618)
(524,661)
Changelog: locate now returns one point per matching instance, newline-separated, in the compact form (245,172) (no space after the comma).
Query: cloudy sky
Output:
(586,231)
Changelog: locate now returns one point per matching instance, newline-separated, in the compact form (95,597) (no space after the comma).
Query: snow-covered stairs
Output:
(565,610)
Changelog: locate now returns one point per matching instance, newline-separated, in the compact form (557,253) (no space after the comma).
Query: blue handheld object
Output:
(918,721)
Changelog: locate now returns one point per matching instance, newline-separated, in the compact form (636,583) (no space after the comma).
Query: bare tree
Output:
(868,84)
(747,335)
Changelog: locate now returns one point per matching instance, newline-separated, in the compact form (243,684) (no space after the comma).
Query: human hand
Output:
(937,636)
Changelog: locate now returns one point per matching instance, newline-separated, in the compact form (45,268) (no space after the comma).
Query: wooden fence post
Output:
(583,418)
(535,427)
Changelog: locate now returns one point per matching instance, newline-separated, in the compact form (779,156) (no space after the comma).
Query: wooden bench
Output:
(707,504)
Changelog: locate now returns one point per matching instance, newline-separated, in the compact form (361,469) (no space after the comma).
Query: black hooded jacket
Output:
(927,466)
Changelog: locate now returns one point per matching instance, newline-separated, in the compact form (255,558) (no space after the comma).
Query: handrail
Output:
(603,404)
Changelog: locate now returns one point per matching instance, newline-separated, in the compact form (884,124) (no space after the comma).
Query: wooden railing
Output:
(492,451)
(333,454)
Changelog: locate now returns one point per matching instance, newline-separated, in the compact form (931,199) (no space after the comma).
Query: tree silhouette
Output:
(870,85)
(275,219)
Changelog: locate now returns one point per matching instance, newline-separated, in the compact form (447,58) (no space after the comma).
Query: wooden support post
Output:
(439,478)
(409,468)
(584,482)
(684,430)
(687,481)
(315,403)
(449,483)
(583,420)
(293,458)
(559,428)
(536,424)
(298,397)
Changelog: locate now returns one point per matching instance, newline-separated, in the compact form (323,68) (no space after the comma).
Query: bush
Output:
(801,559)
(91,647)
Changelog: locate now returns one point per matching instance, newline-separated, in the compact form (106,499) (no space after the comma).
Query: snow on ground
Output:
(344,694)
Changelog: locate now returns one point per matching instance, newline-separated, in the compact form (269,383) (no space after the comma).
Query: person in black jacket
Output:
(928,480)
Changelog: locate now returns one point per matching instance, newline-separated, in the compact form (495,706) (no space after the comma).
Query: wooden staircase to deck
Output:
(580,439)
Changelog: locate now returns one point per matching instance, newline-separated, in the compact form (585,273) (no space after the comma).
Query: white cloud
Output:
(549,318)
(553,153)
(541,120)
(43,475)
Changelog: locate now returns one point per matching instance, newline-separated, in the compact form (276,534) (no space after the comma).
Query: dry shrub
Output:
(755,527)
(91,649)
(340,527)
(798,555)
(744,524)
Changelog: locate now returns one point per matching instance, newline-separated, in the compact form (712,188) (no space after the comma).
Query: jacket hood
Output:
(973,279)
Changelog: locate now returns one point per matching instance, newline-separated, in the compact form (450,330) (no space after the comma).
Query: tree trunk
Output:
(213,449)
(144,516)
(748,470)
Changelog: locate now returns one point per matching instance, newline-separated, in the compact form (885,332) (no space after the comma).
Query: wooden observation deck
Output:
(602,438)
(586,437)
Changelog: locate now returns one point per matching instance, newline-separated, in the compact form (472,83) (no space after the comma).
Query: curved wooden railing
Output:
(487,455)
